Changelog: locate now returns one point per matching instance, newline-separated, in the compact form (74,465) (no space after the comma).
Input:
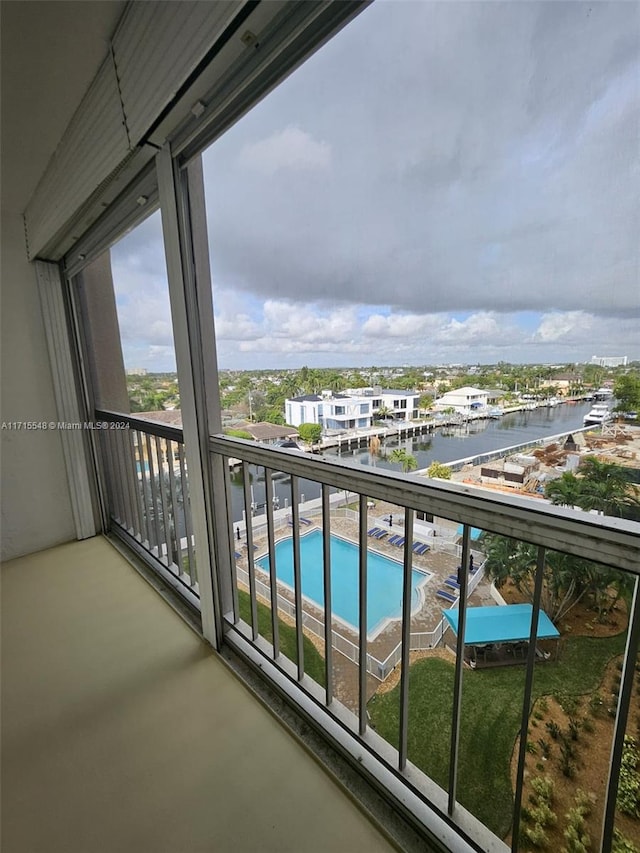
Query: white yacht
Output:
(603,394)
(599,414)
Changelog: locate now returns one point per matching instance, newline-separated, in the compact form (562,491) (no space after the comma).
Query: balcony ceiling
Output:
(50,54)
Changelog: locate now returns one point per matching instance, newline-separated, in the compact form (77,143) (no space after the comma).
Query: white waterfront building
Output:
(355,408)
(402,405)
(464,400)
(333,411)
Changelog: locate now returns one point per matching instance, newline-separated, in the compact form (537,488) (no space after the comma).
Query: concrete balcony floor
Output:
(123,731)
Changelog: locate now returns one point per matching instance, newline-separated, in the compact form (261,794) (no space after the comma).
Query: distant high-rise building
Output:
(136,371)
(611,361)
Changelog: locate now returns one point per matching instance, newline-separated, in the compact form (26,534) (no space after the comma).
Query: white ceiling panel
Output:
(156,47)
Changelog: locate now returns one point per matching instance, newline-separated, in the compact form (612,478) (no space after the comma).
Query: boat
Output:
(603,394)
(599,414)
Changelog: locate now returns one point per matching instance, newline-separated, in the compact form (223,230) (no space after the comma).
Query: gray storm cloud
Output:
(443,157)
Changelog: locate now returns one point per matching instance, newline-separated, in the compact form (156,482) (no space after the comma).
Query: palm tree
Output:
(567,579)
(565,491)
(600,486)
(406,460)
(334,382)
(290,386)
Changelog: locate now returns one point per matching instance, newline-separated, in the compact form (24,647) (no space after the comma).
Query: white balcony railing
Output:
(244,591)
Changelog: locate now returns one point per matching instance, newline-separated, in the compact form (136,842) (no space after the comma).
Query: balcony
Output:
(333,667)
(123,730)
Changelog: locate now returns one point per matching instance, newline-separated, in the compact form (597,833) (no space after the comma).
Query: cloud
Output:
(570,327)
(453,186)
(439,182)
(142,298)
(291,333)
(291,148)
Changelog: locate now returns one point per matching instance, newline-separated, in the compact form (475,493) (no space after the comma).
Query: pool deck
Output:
(437,563)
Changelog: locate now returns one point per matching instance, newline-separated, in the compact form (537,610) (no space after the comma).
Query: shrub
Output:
(569,704)
(543,816)
(536,836)
(578,839)
(543,705)
(567,748)
(311,433)
(553,729)
(595,704)
(622,844)
(574,728)
(531,748)
(566,759)
(545,748)
(587,725)
(438,469)
(584,802)
(628,800)
(543,787)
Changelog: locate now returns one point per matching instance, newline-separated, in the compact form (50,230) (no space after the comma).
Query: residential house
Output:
(464,400)
(333,411)
(397,404)
(267,433)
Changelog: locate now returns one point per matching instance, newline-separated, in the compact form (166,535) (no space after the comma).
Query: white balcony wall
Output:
(46,68)
(36,507)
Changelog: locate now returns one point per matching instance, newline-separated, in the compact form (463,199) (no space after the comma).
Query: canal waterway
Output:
(444,444)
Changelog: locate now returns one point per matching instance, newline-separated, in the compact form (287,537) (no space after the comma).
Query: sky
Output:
(443,182)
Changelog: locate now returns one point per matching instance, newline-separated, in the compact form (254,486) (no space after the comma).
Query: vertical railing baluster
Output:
(620,728)
(188,526)
(155,507)
(328,620)
(173,492)
(124,480)
(246,486)
(111,475)
(117,479)
(133,502)
(297,574)
(457,685)
(406,638)
(271,547)
(146,490)
(362,616)
(162,488)
(526,700)
(232,541)
(135,485)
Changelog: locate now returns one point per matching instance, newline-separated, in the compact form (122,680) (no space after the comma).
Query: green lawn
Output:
(313,660)
(491,711)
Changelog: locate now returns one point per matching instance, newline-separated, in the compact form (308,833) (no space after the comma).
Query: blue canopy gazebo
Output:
(489,627)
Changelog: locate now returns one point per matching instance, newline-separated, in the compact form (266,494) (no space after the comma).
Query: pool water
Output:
(384,579)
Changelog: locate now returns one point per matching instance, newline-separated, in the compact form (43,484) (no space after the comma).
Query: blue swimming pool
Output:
(384,576)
